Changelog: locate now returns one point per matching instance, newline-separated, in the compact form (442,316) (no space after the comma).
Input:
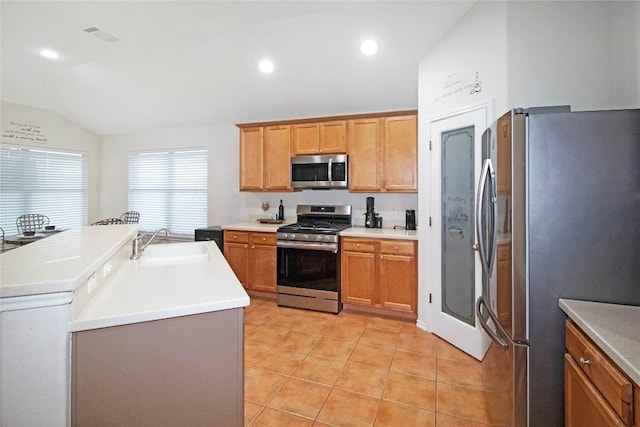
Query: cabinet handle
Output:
(396,248)
(357,245)
(264,238)
(584,361)
(253,246)
(381,257)
(235,237)
(372,256)
(246,246)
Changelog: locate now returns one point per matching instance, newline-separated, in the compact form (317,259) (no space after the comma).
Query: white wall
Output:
(626,53)
(566,53)
(226,204)
(57,132)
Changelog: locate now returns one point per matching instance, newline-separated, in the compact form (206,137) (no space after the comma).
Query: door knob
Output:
(476,247)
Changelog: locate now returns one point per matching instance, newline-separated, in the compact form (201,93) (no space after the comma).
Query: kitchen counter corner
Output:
(254,226)
(614,328)
(380,233)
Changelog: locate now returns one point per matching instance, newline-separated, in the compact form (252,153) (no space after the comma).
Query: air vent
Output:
(97,32)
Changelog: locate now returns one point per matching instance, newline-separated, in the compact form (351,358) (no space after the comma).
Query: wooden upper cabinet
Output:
(277,158)
(503,143)
(251,159)
(400,154)
(364,154)
(333,137)
(306,138)
(320,138)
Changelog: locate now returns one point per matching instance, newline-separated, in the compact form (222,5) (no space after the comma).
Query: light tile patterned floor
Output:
(305,368)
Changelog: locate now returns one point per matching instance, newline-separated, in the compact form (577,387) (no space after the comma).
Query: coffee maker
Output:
(370,215)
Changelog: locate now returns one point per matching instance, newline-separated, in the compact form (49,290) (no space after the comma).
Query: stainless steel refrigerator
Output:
(558,216)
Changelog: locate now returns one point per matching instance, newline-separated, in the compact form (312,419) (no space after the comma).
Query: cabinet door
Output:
(503,142)
(398,282)
(333,137)
(364,155)
(306,138)
(251,159)
(277,155)
(237,255)
(263,268)
(358,275)
(504,292)
(584,406)
(400,154)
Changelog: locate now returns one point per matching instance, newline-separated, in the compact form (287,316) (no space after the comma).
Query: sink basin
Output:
(174,253)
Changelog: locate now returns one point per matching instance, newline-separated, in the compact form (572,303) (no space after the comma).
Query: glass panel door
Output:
(458,231)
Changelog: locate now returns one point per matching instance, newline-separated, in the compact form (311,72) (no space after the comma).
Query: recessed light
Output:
(266,66)
(369,47)
(50,54)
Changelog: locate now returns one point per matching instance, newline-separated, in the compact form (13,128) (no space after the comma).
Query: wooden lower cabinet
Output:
(504,295)
(380,273)
(597,393)
(186,370)
(252,257)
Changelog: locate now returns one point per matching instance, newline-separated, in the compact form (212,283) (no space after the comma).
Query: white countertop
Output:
(614,328)
(61,262)
(254,226)
(380,233)
(139,292)
(357,231)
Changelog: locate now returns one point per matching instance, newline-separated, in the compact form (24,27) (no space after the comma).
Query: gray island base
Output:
(180,371)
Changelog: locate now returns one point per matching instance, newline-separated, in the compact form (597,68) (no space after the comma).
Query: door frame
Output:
(430,241)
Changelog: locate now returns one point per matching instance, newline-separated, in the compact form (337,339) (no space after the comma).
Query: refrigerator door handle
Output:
(499,335)
(479,211)
(492,249)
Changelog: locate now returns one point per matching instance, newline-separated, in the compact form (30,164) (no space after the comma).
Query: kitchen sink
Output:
(174,253)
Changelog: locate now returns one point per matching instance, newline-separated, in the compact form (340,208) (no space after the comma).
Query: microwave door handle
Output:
(479,215)
(330,173)
(499,335)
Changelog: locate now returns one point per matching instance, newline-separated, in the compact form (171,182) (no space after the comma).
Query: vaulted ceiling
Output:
(194,63)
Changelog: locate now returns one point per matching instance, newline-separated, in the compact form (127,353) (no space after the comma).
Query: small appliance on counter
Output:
(214,233)
(371,219)
(410,219)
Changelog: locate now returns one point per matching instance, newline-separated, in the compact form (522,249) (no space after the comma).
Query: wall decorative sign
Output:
(23,132)
(456,84)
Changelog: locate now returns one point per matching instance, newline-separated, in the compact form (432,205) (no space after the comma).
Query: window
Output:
(45,181)
(169,189)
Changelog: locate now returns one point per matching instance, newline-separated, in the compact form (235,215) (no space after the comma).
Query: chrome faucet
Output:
(137,249)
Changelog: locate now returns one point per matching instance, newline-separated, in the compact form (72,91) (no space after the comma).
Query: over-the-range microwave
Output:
(320,172)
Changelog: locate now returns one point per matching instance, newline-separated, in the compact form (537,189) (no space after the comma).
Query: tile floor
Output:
(305,368)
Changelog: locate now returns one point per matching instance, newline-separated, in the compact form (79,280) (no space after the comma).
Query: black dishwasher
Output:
(211,233)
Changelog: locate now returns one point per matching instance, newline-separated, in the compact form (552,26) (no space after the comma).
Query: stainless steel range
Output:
(309,258)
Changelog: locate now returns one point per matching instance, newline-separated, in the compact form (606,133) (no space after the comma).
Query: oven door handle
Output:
(328,247)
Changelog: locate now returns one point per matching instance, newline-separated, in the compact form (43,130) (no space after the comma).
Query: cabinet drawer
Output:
(236,236)
(353,245)
(263,239)
(397,247)
(614,386)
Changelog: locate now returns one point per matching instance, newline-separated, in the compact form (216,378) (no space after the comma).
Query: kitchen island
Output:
(81,281)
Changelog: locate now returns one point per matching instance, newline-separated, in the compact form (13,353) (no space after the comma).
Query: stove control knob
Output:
(319,237)
(292,236)
(284,236)
(305,237)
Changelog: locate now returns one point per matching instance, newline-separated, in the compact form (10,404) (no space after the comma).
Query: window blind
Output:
(45,181)
(169,189)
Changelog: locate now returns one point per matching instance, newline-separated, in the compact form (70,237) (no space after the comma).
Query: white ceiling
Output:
(194,63)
